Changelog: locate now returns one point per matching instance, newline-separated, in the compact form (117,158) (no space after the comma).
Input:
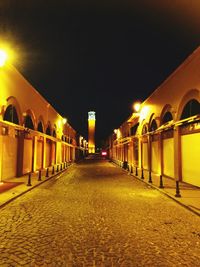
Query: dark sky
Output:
(99,55)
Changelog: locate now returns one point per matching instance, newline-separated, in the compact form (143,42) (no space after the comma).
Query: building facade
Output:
(163,138)
(33,135)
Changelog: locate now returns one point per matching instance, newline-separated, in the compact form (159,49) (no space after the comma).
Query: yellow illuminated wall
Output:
(168,157)
(155,156)
(145,155)
(91,132)
(190,158)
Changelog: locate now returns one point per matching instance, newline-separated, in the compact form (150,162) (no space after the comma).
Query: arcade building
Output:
(33,135)
(163,136)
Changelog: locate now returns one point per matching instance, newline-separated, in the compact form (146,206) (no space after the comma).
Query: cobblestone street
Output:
(95,214)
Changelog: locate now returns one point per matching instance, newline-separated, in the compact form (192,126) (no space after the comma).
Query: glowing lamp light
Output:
(115,131)
(64,120)
(3,58)
(144,112)
(137,106)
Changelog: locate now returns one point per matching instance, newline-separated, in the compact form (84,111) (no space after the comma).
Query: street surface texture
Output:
(95,214)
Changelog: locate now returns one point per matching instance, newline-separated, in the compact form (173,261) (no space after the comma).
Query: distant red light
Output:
(104,153)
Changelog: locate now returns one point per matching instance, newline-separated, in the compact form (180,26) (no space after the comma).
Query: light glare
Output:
(64,120)
(136,106)
(3,58)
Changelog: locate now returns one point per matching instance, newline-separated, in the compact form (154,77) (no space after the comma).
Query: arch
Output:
(167,117)
(54,131)
(153,126)
(11,100)
(29,115)
(133,129)
(40,127)
(11,114)
(167,108)
(191,108)
(40,124)
(48,129)
(28,122)
(192,94)
(144,129)
(151,118)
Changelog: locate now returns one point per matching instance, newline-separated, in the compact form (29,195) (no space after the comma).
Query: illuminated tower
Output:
(91,132)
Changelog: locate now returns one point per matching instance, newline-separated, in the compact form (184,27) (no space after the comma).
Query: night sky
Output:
(99,55)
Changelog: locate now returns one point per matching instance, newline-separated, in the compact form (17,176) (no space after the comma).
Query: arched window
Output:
(40,127)
(54,133)
(134,128)
(48,130)
(192,108)
(144,129)
(167,117)
(63,138)
(11,115)
(28,123)
(153,126)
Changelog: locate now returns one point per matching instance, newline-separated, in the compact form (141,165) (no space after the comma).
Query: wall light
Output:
(64,120)
(144,112)
(136,106)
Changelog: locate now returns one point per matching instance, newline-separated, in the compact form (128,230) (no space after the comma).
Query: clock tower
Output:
(91,132)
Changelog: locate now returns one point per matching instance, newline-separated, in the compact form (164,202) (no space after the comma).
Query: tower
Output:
(91,132)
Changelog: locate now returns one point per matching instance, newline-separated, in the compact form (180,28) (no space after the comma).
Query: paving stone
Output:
(97,215)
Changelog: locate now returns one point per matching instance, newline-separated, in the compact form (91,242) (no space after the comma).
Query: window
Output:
(144,129)
(48,130)
(11,115)
(40,127)
(153,126)
(28,123)
(167,117)
(134,129)
(192,108)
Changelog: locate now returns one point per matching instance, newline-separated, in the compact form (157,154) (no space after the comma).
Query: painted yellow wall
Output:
(155,157)
(168,157)
(28,152)
(190,158)
(145,155)
(9,158)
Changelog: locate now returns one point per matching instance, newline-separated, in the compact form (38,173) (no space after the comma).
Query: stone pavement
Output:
(189,195)
(185,194)
(12,188)
(95,214)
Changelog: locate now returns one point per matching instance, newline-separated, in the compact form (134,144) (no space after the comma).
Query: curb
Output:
(160,190)
(32,187)
(168,195)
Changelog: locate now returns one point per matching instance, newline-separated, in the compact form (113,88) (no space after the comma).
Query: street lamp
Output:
(64,120)
(136,106)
